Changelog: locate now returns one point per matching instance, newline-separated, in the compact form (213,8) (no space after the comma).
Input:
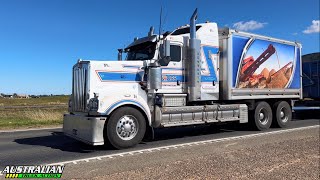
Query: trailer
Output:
(311,76)
(310,104)
(196,74)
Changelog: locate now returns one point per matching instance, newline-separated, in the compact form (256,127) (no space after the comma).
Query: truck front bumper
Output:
(86,129)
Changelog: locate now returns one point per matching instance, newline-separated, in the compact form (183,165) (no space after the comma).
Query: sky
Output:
(41,40)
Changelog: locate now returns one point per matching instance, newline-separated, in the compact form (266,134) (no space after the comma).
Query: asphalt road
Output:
(51,146)
(284,154)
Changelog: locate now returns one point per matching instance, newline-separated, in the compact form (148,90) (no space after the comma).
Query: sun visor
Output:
(152,38)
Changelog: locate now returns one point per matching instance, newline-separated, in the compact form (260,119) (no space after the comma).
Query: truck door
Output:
(172,75)
(210,73)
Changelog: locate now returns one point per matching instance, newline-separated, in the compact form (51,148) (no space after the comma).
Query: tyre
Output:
(262,116)
(125,128)
(283,114)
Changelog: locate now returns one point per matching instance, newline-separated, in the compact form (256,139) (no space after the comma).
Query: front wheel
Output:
(125,128)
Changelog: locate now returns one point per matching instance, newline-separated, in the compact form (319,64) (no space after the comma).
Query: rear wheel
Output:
(125,128)
(262,116)
(283,114)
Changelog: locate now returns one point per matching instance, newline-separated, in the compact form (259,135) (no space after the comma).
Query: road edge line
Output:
(184,144)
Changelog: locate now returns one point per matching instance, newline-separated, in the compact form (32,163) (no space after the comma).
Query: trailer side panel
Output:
(259,67)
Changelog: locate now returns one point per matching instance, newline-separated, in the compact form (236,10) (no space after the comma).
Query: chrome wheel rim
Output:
(284,114)
(127,127)
(263,116)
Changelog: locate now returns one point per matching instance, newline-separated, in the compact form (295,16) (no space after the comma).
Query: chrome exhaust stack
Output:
(194,66)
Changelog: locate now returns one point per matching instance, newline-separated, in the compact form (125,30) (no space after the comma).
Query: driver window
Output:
(175,53)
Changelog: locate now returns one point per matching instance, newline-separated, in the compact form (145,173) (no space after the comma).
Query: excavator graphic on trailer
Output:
(283,70)
(248,78)
(250,65)
(280,78)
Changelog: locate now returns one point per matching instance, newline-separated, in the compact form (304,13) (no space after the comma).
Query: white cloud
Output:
(313,28)
(249,25)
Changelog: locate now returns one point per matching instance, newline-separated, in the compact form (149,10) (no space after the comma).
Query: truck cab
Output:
(174,73)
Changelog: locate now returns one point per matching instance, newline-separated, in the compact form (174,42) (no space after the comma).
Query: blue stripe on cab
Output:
(123,76)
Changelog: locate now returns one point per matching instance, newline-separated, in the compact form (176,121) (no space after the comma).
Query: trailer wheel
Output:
(262,116)
(283,114)
(125,128)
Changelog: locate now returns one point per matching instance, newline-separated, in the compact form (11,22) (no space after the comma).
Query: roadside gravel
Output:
(292,155)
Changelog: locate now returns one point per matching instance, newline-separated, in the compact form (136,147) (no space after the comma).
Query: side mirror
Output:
(164,61)
(165,53)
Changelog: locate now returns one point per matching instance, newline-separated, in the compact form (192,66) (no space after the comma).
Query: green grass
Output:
(21,116)
(51,100)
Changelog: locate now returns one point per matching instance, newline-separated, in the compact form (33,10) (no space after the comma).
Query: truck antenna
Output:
(160,23)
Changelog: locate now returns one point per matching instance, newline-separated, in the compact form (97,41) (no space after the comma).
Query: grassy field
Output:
(34,112)
(51,100)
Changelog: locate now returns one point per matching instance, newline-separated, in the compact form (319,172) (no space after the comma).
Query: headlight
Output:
(93,104)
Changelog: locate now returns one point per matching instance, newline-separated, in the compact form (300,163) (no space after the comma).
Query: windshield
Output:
(184,30)
(143,51)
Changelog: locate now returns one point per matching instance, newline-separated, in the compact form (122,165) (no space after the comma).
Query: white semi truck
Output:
(197,74)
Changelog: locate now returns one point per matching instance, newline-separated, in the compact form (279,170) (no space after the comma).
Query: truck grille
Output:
(80,87)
